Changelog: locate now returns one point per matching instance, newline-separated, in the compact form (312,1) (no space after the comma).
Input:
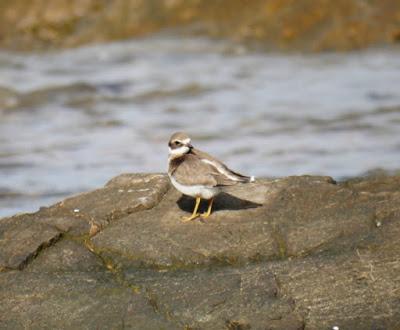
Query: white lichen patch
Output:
(143,200)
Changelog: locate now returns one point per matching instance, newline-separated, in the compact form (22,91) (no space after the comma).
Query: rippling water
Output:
(71,120)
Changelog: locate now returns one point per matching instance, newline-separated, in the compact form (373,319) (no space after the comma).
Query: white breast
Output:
(196,190)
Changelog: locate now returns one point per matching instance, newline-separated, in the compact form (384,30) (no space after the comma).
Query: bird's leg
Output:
(194,214)
(207,214)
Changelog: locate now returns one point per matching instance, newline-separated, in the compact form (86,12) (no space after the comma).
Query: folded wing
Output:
(222,168)
(195,171)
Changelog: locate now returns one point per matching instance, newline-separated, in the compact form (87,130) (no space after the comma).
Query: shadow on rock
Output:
(223,201)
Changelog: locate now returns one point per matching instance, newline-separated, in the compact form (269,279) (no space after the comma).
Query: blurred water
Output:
(71,120)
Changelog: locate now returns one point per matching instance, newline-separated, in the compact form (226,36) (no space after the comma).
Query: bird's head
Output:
(179,144)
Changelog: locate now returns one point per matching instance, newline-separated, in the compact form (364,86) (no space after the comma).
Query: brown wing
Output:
(221,167)
(192,171)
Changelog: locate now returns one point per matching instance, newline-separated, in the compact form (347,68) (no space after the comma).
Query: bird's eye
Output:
(177,143)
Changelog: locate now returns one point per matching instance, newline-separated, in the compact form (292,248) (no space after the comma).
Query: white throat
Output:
(178,151)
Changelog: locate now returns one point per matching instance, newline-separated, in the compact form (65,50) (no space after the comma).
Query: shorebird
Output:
(197,174)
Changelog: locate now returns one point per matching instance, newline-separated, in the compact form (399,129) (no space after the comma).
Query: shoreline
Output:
(276,25)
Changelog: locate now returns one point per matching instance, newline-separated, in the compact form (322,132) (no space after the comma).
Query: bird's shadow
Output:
(223,201)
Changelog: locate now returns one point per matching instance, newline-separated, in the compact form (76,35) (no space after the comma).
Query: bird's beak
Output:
(189,146)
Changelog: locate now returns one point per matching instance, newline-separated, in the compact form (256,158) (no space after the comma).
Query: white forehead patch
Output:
(186,141)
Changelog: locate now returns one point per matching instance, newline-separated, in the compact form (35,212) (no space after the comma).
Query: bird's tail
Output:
(244,178)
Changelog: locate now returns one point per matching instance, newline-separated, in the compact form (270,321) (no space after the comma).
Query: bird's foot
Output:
(192,217)
(205,215)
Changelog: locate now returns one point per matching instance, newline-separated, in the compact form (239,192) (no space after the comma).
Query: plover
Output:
(197,174)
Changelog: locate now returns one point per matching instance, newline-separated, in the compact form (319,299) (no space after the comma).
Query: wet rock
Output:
(8,98)
(293,253)
(188,91)
(58,94)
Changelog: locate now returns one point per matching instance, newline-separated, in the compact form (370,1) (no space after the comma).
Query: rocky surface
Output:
(293,253)
(276,24)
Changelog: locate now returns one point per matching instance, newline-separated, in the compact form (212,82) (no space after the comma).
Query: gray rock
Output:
(120,197)
(167,242)
(294,253)
(22,238)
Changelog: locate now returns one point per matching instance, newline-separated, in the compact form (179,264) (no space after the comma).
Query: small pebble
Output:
(378,223)
(120,190)
(76,210)
(335,327)
(130,190)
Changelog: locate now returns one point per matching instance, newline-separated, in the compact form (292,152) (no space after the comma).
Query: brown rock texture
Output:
(274,24)
(293,253)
